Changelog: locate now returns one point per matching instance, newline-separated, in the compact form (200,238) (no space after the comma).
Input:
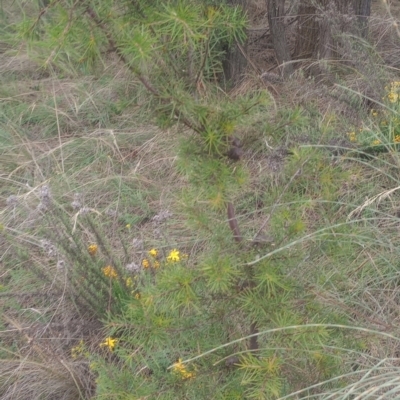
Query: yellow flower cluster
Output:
(392,97)
(393,91)
(352,136)
(173,256)
(180,369)
(92,249)
(110,343)
(397,139)
(79,350)
(110,272)
(146,264)
(153,262)
(129,282)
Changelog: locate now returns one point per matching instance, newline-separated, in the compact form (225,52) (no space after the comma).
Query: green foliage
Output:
(382,132)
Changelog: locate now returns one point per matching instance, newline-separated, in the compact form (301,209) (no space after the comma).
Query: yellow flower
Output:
(110,272)
(352,136)
(110,343)
(374,113)
(92,249)
(376,142)
(397,139)
(174,256)
(78,350)
(128,226)
(153,252)
(145,263)
(137,296)
(392,97)
(180,369)
(128,282)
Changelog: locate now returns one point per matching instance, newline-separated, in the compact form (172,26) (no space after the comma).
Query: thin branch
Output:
(148,85)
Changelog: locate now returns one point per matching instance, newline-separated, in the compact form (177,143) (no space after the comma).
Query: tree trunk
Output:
(235,62)
(321,20)
(276,14)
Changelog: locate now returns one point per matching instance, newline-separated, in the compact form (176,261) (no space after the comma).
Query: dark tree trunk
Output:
(276,14)
(235,62)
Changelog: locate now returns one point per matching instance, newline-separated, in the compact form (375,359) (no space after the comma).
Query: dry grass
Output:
(124,167)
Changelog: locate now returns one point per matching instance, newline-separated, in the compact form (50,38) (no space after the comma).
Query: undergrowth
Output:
(164,238)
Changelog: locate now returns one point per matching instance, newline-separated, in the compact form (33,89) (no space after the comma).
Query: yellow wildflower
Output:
(352,136)
(153,252)
(128,282)
(392,97)
(374,113)
(128,226)
(174,256)
(110,343)
(92,249)
(180,369)
(78,350)
(393,91)
(137,296)
(376,142)
(110,272)
(145,263)
(397,139)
